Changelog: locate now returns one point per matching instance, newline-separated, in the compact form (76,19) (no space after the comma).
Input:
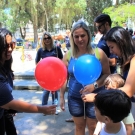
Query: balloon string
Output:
(84,111)
(84,106)
(54,102)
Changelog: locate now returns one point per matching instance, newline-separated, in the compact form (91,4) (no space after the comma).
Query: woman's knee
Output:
(80,122)
(91,124)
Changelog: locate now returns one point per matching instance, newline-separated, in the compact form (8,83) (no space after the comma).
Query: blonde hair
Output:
(43,43)
(115,78)
(74,48)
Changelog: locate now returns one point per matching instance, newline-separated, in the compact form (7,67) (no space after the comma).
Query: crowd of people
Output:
(120,43)
(116,51)
(64,44)
(108,103)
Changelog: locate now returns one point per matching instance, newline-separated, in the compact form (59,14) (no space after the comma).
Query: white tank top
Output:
(121,132)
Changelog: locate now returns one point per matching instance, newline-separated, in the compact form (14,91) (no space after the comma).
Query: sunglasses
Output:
(82,36)
(99,27)
(47,38)
(12,45)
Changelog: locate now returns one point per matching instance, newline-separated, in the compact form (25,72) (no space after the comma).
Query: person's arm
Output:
(37,59)
(98,128)
(105,68)
(63,88)
(112,61)
(30,108)
(129,87)
(60,55)
(105,72)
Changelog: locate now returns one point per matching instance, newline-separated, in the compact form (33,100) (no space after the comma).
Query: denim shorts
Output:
(76,107)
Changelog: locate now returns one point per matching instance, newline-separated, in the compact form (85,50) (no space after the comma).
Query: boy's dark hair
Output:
(102,18)
(113,103)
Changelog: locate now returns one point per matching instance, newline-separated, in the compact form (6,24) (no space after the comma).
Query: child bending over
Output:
(116,81)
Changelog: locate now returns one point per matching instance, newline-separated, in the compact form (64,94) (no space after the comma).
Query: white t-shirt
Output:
(97,38)
(121,132)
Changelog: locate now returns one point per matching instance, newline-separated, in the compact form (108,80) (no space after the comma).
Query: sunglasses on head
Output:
(8,45)
(47,38)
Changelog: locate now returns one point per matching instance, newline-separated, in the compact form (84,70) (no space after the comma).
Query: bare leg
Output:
(80,124)
(128,129)
(91,124)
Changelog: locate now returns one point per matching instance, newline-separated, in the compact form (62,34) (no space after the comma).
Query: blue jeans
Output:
(46,96)
(76,108)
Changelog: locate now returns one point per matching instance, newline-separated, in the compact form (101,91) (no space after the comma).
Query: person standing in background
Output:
(98,36)
(48,49)
(103,24)
(66,40)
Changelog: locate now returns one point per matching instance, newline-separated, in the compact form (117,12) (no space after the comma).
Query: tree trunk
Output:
(35,35)
(0,25)
(46,20)
(117,2)
(35,23)
(23,32)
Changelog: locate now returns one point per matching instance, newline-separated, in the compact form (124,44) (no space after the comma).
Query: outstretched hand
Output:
(49,109)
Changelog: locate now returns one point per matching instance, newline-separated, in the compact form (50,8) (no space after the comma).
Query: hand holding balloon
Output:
(87,89)
(88,97)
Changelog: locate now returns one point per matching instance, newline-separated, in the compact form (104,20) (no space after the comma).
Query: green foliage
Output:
(121,13)
(94,8)
(69,11)
(45,14)
(17,17)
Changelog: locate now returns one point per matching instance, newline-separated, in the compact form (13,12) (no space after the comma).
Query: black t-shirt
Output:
(102,45)
(5,91)
(55,52)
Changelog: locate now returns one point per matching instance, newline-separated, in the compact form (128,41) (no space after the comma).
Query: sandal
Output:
(69,120)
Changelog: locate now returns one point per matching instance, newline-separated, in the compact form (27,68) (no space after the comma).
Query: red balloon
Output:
(51,73)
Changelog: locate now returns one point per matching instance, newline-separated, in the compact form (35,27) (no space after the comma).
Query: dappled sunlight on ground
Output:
(38,124)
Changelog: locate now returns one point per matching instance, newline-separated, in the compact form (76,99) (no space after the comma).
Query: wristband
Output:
(95,85)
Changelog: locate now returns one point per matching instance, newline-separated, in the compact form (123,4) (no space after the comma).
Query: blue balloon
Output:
(87,69)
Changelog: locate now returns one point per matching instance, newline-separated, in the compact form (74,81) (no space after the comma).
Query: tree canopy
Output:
(45,15)
(121,14)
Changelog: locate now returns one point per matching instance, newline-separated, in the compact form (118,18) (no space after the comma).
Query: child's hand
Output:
(88,97)
(87,89)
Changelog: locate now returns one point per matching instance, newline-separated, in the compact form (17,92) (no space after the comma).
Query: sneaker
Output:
(56,102)
(56,113)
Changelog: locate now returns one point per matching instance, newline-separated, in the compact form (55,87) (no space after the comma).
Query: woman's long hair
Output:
(124,42)
(3,46)
(43,43)
(74,48)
